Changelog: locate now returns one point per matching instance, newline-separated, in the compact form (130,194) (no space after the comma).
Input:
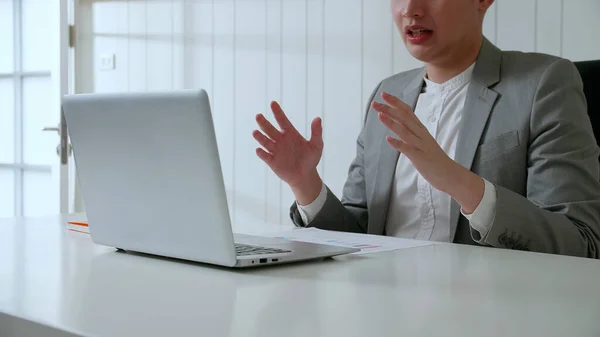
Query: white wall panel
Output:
(111,40)
(102,43)
(580,30)
(199,45)
(178,68)
(84,76)
(294,75)
(516,26)
(273,202)
(136,68)
(120,75)
(377,50)
(249,96)
(159,57)
(316,64)
(548,27)
(223,91)
(317,57)
(343,89)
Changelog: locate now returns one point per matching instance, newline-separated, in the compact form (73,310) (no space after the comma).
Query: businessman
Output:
(480,146)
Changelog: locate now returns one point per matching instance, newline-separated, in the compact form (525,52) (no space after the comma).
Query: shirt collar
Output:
(450,84)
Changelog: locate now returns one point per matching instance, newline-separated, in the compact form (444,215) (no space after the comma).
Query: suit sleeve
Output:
(561,211)
(349,214)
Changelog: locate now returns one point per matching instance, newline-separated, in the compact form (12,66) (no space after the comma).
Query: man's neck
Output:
(451,67)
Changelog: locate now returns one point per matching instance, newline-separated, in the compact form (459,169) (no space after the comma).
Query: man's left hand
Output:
(417,144)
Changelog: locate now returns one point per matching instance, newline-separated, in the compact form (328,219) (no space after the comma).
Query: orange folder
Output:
(78,226)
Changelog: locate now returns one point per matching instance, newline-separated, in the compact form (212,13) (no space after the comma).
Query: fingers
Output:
(316,132)
(398,104)
(400,146)
(264,141)
(280,117)
(394,101)
(398,116)
(399,129)
(267,127)
(265,156)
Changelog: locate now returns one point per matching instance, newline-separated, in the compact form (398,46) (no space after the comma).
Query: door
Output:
(34,73)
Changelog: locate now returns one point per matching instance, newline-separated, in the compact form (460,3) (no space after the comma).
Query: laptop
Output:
(150,176)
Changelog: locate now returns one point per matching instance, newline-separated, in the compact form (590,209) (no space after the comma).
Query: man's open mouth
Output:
(419,32)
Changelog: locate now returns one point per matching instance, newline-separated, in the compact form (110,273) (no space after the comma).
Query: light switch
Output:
(107,61)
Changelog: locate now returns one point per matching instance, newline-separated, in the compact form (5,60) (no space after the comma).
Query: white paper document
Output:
(365,242)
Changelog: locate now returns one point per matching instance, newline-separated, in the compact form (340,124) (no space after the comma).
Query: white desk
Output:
(54,280)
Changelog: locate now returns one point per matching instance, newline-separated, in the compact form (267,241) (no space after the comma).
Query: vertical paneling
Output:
(273,202)
(580,30)
(223,91)
(516,28)
(317,57)
(377,49)
(294,75)
(250,85)
(86,73)
(489,23)
(159,52)
(548,13)
(136,68)
(178,44)
(121,24)
(343,89)
(104,43)
(315,50)
(199,47)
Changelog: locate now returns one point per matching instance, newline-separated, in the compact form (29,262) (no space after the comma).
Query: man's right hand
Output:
(292,158)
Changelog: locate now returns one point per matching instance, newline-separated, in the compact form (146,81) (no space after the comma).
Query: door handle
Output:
(63,150)
(52,128)
(69,150)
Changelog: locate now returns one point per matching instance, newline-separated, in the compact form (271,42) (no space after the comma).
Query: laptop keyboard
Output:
(242,250)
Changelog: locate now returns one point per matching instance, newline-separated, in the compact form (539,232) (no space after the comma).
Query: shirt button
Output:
(432,118)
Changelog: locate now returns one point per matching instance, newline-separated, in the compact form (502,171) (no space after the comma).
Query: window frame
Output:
(18,167)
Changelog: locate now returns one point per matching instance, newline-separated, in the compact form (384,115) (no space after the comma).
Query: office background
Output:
(317,57)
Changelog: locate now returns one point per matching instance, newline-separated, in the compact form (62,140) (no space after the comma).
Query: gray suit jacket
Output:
(525,129)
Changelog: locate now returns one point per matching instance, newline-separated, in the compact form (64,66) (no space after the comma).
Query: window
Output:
(25,95)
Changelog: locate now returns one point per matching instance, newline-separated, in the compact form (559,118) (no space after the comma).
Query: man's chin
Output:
(421,53)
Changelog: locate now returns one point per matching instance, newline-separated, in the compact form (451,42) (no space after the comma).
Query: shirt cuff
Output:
(309,212)
(483,217)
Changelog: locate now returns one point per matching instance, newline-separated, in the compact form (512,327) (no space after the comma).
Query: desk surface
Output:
(60,279)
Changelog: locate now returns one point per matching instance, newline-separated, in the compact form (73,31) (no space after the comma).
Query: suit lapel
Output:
(387,159)
(478,106)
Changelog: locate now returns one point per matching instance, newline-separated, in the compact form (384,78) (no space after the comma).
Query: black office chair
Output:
(590,74)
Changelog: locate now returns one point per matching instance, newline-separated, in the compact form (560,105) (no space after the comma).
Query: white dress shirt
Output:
(417,210)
